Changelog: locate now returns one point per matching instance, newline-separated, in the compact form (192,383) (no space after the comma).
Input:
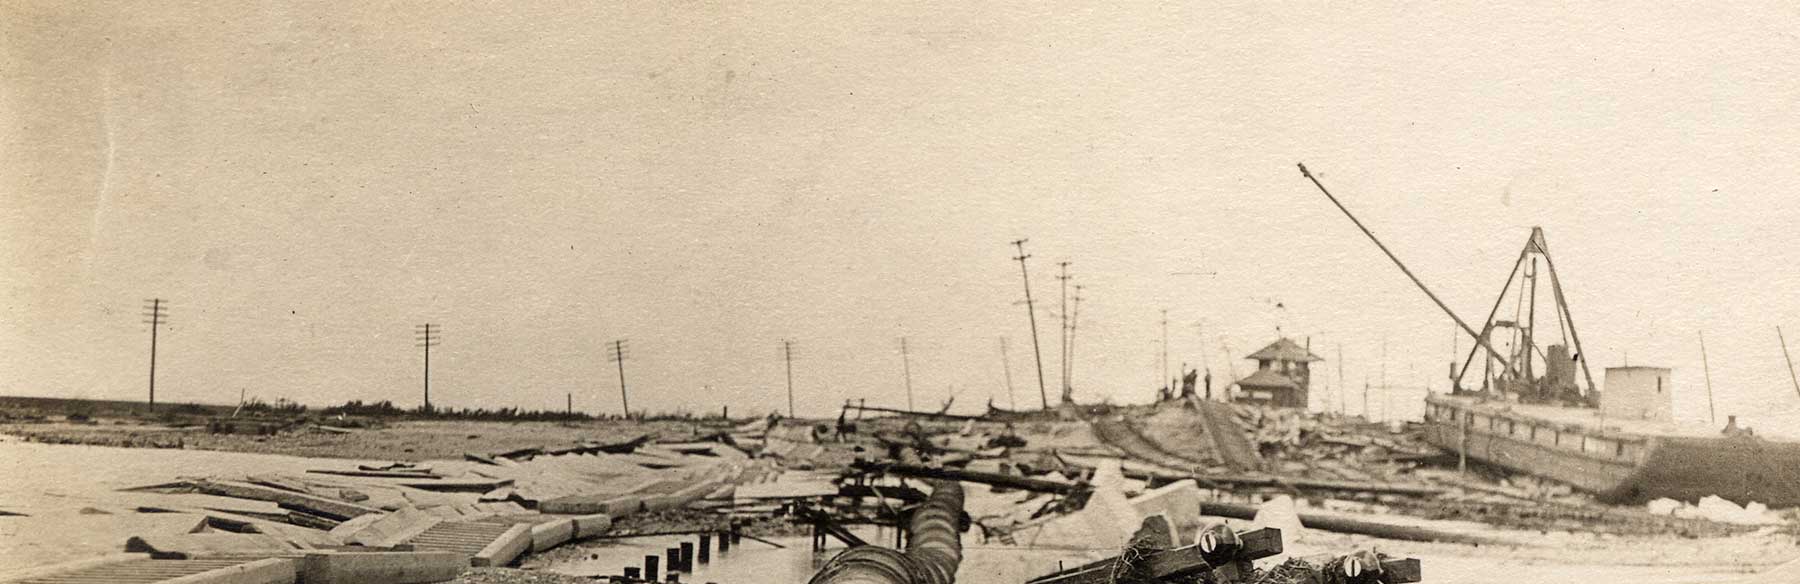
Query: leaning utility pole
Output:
(1790,359)
(1707,369)
(787,353)
(1043,394)
(1063,313)
(156,314)
(905,368)
(618,356)
(427,335)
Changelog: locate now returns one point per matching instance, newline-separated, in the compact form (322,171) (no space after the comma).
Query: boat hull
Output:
(1619,467)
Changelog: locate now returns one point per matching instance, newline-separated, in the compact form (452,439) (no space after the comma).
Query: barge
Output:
(1624,461)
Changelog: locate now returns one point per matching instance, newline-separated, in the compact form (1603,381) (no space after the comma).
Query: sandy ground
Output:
(73,498)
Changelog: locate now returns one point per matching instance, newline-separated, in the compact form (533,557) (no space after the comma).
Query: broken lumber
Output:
(456,485)
(188,546)
(379,474)
(1159,477)
(935,415)
(970,476)
(321,506)
(1339,524)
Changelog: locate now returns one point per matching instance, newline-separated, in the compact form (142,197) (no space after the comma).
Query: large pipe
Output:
(932,554)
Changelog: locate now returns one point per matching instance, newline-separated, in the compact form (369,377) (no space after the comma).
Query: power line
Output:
(1036,350)
(156,314)
(427,335)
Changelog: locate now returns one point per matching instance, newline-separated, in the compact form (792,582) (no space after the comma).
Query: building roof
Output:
(1266,379)
(1285,350)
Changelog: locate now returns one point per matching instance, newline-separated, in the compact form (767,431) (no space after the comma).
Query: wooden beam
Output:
(971,476)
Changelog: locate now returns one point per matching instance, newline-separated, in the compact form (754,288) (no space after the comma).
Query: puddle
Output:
(748,562)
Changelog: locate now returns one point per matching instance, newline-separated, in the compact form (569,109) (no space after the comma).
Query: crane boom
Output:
(1415,279)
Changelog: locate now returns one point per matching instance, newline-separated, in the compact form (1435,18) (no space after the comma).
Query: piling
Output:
(632,573)
(673,561)
(705,548)
(687,556)
(650,567)
(724,542)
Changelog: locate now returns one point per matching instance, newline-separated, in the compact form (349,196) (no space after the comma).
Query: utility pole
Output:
(1790,359)
(156,314)
(1063,313)
(1707,369)
(428,335)
(1383,380)
(618,356)
(1074,321)
(906,368)
(1365,412)
(1043,394)
(1342,391)
(1006,367)
(1165,351)
(787,352)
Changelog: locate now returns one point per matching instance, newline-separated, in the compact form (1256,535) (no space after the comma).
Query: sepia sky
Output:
(307,181)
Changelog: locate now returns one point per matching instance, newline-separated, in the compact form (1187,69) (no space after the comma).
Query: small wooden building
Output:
(1283,376)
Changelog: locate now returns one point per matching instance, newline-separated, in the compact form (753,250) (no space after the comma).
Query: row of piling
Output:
(682,558)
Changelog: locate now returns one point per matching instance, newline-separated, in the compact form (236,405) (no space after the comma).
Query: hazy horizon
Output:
(305,183)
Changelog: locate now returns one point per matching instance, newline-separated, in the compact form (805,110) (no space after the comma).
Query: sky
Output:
(305,182)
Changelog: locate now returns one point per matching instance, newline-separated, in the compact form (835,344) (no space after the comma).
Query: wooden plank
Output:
(183,546)
(380,474)
(987,478)
(457,485)
(333,509)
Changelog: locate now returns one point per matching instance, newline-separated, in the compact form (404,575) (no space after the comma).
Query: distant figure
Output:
(1732,429)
